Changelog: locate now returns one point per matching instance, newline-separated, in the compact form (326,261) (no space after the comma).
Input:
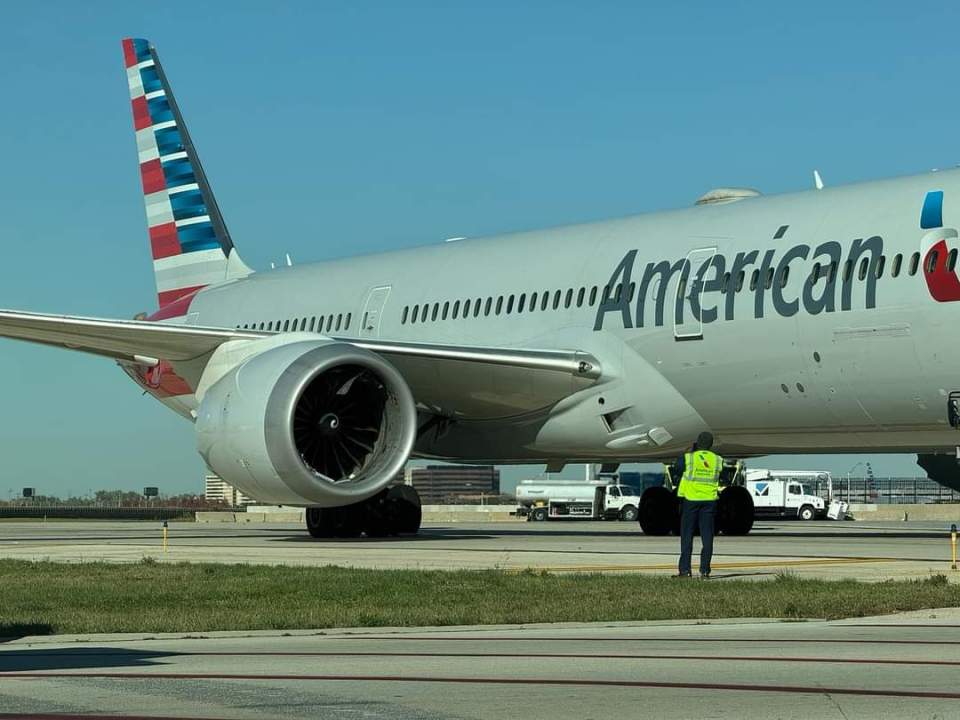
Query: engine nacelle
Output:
(310,422)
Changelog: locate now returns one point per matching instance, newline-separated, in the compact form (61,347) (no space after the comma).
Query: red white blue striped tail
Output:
(188,239)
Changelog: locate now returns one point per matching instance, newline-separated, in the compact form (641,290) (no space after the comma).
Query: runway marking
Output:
(578,656)
(717,565)
(788,689)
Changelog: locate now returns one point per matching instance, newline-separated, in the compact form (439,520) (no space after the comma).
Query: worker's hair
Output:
(704,441)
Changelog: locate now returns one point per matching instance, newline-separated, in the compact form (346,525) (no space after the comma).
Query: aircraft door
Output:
(373,310)
(688,308)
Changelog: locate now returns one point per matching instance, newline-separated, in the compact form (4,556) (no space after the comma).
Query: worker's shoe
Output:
(683,575)
(705,576)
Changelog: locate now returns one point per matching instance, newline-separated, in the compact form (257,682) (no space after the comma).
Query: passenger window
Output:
(864,265)
(880,264)
(329,323)
(847,270)
(339,319)
(436,311)
(413,318)
(952,260)
(754,279)
(544,299)
(522,302)
(568,298)
(633,289)
(768,283)
(914,263)
(270,325)
(499,303)
(346,325)
(446,309)
(313,320)
(616,294)
(533,301)
(593,295)
(487,306)
(456,309)
(725,287)
(286,325)
(815,273)
(509,304)
(741,276)
(832,275)
(932,261)
(784,277)
(580,293)
(897,262)
(556,300)
(476,307)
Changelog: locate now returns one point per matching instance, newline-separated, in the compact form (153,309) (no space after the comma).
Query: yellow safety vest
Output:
(701,475)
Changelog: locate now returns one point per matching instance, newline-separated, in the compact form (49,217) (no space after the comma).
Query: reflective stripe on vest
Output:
(701,475)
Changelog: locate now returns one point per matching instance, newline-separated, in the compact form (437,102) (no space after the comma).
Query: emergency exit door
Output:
(373,311)
(688,306)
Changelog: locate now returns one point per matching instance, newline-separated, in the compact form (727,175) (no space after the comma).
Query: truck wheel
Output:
(806,513)
(659,512)
(629,513)
(538,514)
(735,511)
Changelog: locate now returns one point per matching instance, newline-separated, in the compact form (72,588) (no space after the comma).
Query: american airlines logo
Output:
(939,261)
(706,289)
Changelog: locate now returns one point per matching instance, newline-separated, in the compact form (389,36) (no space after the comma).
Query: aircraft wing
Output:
(452,380)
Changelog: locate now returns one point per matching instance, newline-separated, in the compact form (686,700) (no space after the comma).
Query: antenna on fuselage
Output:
(289,261)
(817,180)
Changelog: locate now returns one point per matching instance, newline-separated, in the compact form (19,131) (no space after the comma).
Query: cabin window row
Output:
(506,304)
(316,323)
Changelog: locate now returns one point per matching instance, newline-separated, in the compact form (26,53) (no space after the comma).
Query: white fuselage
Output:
(853,365)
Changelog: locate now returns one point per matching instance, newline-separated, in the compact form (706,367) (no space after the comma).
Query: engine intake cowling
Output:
(308,423)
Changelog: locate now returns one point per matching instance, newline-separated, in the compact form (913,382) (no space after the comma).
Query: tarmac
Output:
(902,666)
(826,549)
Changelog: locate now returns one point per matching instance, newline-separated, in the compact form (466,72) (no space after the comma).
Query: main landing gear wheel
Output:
(659,512)
(393,511)
(735,511)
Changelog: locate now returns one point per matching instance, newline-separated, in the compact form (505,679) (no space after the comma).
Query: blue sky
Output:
(335,128)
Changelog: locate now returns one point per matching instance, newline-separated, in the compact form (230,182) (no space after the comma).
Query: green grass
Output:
(45,597)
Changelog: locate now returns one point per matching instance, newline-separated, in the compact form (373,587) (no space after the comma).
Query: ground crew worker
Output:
(699,472)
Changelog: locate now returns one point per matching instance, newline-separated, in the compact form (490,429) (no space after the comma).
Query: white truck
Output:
(577,500)
(789,493)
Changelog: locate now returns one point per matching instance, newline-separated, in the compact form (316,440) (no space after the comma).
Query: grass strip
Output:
(49,598)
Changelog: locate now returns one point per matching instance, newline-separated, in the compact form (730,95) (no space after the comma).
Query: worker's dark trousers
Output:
(696,512)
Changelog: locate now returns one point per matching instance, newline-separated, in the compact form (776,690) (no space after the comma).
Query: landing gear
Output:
(393,511)
(735,511)
(659,512)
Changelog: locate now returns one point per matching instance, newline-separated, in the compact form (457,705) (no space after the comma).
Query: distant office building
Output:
(442,484)
(216,490)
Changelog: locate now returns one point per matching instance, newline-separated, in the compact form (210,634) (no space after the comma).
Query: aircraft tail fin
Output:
(189,241)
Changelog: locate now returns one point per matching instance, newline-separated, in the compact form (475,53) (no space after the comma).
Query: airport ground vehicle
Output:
(785,494)
(584,500)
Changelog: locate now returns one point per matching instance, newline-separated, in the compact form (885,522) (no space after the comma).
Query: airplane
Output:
(808,322)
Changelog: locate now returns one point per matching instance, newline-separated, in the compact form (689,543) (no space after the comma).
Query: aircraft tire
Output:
(319,522)
(378,519)
(405,512)
(659,512)
(735,511)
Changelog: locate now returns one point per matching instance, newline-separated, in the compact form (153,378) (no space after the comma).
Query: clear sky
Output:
(335,128)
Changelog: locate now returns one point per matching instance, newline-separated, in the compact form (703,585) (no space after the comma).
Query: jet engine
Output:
(309,422)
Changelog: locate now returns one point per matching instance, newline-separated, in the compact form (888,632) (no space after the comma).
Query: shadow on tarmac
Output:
(76,659)
(15,631)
